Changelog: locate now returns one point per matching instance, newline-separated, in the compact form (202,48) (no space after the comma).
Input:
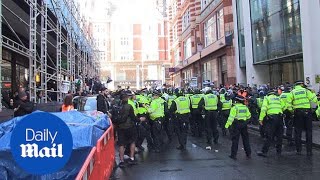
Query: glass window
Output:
(241,40)
(175,32)
(240,14)
(224,66)
(276,29)
(242,48)
(210,31)
(187,48)
(176,57)
(275,37)
(220,23)
(207,71)
(186,20)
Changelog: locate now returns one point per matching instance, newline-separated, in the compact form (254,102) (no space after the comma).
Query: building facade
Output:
(201,42)
(139,46)
(276,42)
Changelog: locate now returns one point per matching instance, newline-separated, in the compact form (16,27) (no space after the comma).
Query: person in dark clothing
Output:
(22,106)
(102,102)
(181,107)
(127,132)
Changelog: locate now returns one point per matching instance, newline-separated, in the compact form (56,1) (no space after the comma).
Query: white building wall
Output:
(310,27)
(240,73)
(256,75)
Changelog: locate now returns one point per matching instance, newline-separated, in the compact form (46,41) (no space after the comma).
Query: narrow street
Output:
(198,163)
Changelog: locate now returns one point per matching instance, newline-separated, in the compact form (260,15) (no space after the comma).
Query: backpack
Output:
(116,112)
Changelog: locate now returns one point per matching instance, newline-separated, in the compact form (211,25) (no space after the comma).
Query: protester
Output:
(67,104)
(22,106)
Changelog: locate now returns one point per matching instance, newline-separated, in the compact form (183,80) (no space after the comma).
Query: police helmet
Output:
(272,92)
(156,93)
(238,98)
(299,82)
(261,93)
(222,91)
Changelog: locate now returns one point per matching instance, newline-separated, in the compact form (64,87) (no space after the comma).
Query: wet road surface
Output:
(197,163)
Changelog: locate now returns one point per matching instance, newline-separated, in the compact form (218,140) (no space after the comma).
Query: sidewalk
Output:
(315,133)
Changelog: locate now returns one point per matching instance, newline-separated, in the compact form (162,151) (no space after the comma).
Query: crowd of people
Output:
(157,116)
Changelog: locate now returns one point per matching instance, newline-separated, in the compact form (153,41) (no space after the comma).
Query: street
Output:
(198,163)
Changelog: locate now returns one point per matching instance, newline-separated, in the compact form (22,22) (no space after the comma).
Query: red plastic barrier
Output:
(106,153)
(86,172)
(99,164)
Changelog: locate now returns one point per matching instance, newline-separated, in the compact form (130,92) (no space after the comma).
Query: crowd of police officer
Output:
(170,112)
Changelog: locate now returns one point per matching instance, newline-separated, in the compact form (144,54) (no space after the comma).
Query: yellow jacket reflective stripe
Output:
(210,102)
(195,99)
(259,102)
(183,105)
(301,98)
(284,96)
(133,106)
(156,109)
(272,105)
(238,112)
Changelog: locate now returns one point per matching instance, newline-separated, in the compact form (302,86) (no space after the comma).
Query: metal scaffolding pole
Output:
(0,56)
(33,50)
(43,64)
(58,59)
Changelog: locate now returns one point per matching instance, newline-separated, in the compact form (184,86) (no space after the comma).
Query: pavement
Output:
(198,163)
(315,133)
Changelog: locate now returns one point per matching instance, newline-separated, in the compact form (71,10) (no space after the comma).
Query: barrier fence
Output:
(85,172)
(99,164)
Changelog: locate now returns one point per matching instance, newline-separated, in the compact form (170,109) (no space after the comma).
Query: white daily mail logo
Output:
(32,150)
(41,143)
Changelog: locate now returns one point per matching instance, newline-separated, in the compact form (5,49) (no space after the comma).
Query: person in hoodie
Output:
(22,106)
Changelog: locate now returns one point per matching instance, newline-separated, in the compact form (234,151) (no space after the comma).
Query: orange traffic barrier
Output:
(106,153)
(86,172)
(99,164)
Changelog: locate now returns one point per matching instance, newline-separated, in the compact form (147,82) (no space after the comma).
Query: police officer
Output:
(237,120)
(226,104)
(273,108)
(288,115)
(196,117)
(210,105)
(156,111)
(168,125)
(259,104)
(181,107)
(301,99)
(132,102)
(144,127)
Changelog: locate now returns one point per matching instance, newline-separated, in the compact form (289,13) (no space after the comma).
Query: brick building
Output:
(139,46)
(201,36)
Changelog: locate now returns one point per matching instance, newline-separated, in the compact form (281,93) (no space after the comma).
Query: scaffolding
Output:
(72,53)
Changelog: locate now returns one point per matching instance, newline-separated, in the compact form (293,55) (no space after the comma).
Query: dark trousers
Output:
(224,114)
(196,123)
(262,128)
(239,128)
(274,130)
(289,124)
(156,128)
(168,126)
(211,124)
(303,121)
(144,132)
(181,126)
